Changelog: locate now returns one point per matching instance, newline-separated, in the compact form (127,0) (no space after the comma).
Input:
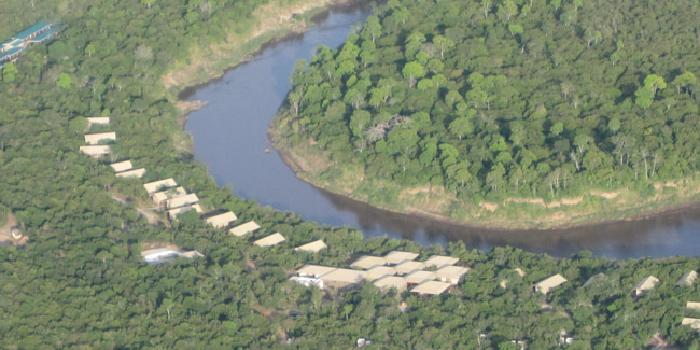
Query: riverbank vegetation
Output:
(80,281)
(554,106)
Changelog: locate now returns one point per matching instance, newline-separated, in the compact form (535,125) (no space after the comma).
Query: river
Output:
(230,138)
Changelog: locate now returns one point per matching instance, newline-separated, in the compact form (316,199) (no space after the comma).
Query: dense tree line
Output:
(497,98)
(80,281)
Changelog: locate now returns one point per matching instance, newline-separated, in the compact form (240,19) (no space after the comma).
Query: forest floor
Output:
(592,207)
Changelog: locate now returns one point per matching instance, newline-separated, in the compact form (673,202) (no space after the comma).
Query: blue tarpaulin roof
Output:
(23,35)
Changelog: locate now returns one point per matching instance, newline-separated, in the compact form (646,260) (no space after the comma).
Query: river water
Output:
(230,138)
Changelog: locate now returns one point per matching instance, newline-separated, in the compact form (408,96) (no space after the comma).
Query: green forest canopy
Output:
(510,97)
(80,281)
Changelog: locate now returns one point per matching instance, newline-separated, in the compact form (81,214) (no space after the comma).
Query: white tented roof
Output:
(155,186)
(547,284)
(121,166)
(270,240)
(244,229)
(222,220)
(312,247)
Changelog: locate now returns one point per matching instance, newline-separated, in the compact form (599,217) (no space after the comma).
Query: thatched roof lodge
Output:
(431,288)
(408,267)
(368,261)
(96,151)
(315,271)
(340,278)
(550,283)
(438,261)
(97,121)
(378,272)
(96,138)
(160,198)
(418,277)
(132,174)
(174,213)
(155,186)
(645,285)
(451,274)
(244,229)
(688,278)
(181,201)
(222,220)
(397,257)
(121,166)
(693,305)
(270,240)
(693,323)
(388,283)
(311,247)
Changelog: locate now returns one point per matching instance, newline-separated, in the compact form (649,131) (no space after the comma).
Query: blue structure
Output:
(39,33)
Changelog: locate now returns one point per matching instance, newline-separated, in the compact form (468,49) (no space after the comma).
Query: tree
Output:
(443,43)
(9,73)
(412,71)
(64,81)
(685,82)
(461,127)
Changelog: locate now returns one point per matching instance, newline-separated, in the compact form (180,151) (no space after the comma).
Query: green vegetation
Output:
(489,101)
(80,282)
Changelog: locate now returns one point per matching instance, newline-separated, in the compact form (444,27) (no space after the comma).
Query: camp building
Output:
(133,173)
(387,283)
(693,323)
(693,305)
(181,201)
(645,285)
(244,229)
(418,277)
(308,281)
(408,267)
(311,247)
(378,272)
(155,186)
(431,288)
(550,283)
(160,198)
(97,121)
(315,271)
(688,278)
(161,255)
(222,220)
(368,261)
(451,274)
(438,261)
(397,257)
(96,151)
(174,213)
(270,240)
(97,138)
(121,166)
(340,278)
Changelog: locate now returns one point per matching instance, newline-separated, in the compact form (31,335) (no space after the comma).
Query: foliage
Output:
(80,281)
(525,98)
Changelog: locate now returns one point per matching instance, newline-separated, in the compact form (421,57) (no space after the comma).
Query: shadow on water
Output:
(230,137)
